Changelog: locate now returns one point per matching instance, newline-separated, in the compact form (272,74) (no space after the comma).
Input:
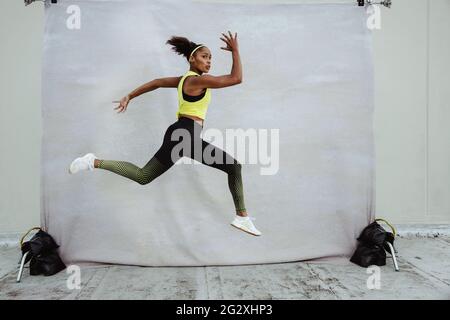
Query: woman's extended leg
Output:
(156,166)
(153,169)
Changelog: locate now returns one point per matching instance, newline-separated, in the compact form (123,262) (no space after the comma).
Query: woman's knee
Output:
(143,178)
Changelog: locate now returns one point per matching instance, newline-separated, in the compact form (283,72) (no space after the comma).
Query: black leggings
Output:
(183,139)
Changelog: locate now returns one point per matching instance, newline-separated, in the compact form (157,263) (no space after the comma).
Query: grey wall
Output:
(21,32)
(412,82)
(411,112)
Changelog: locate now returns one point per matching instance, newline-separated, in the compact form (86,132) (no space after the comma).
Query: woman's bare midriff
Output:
(196,119)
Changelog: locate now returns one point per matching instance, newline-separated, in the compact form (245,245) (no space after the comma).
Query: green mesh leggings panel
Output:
(144,175)
(236,186)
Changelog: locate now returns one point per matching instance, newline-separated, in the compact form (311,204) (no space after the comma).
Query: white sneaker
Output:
(83,163)
(245,224)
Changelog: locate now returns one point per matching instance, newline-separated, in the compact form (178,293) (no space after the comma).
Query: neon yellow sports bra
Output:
(188,104)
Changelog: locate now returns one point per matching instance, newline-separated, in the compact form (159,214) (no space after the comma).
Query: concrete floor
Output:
(424,274)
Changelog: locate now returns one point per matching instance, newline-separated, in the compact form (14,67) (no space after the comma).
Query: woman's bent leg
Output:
(153,169)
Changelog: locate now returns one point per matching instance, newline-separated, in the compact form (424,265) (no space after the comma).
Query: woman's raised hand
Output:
(232,43)
(123,104)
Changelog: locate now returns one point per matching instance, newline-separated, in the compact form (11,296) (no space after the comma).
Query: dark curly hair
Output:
(182,46)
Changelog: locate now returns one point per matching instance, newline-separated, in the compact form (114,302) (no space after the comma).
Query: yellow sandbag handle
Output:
(34,228)
(393,229)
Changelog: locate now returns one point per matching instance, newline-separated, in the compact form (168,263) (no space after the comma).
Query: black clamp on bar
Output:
(386,3)
(27,2)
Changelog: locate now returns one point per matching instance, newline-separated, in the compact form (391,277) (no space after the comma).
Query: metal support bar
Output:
(393,256)
(22,263)
(361,3)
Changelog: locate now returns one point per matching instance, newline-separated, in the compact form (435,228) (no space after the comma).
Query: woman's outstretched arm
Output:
(171,82)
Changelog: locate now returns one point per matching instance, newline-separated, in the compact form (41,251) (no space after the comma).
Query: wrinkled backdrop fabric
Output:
(307,71)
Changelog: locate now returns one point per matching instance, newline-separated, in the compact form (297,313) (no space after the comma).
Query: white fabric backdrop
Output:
(307,72)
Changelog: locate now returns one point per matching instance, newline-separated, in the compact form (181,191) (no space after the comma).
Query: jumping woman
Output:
(194,95)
